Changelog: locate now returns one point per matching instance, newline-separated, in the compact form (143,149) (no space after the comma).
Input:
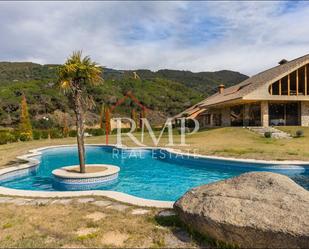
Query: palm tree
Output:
(75,75)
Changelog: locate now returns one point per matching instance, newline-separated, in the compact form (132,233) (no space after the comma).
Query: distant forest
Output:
(165,92)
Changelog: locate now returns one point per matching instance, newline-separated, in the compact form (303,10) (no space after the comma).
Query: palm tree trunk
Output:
(80,130)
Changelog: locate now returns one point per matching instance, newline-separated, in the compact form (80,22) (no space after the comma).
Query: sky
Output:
(198,36)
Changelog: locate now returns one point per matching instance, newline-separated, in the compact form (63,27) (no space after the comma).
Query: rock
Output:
(254,210)
(118,207)
(102,203)
(39,202)
(5,199)
(62,201)
(139,211)
(178,239)
(21,201)
(166,213)
(85,200)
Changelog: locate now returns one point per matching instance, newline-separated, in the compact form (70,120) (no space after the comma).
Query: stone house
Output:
(277,96)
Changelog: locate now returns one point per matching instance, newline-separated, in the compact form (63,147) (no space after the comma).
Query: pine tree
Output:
(25,124)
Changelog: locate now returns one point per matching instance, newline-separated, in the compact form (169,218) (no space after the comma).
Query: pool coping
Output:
(118,196)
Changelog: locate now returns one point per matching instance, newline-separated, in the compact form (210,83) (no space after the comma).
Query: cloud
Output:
(197,36)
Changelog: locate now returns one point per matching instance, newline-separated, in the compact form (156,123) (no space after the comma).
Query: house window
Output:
(237,115)
(255,115)
(284,113)
(217,119)
(295,83)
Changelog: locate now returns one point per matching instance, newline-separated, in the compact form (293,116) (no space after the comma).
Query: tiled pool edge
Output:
(119,196)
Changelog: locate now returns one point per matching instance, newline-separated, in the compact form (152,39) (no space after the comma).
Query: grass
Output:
(227,142)
(293,129)
(43,226)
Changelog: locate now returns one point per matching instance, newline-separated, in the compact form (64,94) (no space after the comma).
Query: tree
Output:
(25,124)
(142,115)
(107,120)
(134,116)
(75,75)
(65,129)
(102,117)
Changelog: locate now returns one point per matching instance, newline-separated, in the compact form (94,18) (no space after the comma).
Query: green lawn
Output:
(227,142)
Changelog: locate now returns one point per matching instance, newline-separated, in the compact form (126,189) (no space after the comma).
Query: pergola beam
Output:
(289,84)
(306,80)
(297,81)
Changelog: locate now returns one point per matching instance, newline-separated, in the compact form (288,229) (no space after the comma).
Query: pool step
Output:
(278,134)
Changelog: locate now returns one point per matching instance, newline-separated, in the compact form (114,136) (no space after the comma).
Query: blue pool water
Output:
(150,174)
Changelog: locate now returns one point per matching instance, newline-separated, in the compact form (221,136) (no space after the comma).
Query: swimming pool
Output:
(147,173)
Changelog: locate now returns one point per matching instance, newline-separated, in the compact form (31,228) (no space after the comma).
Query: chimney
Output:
(283,61)
(221,88)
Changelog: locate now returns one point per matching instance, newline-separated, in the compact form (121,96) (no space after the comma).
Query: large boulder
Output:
(253,210)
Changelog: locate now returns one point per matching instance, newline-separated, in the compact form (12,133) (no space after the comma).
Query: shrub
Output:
(72,133)
(25,136)
(44,134)
(299,133)
(267,134)
(55,133)
(15,135)
(123,130)
(7,137)
(36,134)
(95,132)
(11,138)
(3,138)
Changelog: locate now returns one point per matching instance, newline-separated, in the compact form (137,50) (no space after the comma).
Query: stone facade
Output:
(225,113)
(226,116)
(246,115)
(264,114)
(304,113)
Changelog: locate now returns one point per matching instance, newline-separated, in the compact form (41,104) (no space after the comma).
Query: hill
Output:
(165,92)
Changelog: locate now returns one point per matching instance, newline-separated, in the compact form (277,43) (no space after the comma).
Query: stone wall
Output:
(226,116)
(264,114)
(304,113)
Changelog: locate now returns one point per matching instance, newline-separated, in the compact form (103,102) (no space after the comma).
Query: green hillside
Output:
(165,92)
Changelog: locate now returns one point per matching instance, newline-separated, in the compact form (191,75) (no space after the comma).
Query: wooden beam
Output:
(280,87)
(271,89)
(306,79)
(297,82)
(289,84)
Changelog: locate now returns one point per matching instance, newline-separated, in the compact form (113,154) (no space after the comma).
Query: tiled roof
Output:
(254,82)
(247,86)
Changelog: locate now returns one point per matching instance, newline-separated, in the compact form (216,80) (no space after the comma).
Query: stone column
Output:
(246,115)
(264,114)
(211,119)
(226,116)
(304,112)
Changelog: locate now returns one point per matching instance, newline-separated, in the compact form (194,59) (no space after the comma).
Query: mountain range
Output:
(164,92)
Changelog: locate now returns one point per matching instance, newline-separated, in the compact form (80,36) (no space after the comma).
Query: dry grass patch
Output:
(96,216)
(114,238)
(79,225)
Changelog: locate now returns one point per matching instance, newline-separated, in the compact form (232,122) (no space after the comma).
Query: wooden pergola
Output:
(284,85)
